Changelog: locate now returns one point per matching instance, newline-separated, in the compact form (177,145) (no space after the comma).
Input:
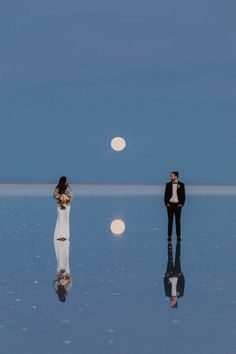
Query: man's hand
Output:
(168,205)
(180,206)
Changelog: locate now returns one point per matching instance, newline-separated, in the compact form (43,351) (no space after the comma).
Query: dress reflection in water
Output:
(63,196)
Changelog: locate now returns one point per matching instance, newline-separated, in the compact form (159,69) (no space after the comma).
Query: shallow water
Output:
(117,303)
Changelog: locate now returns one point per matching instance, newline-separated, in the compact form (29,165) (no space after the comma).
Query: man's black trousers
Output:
(174,211)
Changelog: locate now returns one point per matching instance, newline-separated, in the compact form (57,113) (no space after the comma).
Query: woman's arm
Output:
(56,194)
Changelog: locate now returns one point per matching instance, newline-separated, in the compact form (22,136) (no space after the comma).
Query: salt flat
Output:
(117,303)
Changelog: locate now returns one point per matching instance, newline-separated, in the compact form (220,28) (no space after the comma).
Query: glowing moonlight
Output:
(117,227)
(118,144)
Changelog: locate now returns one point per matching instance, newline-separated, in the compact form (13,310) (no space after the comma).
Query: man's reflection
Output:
(174,281)
(63,281)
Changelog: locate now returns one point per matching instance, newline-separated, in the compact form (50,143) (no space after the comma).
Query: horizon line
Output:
(92,189)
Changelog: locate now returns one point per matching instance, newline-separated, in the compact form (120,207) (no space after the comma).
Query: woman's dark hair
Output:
(62,184)
(61,292)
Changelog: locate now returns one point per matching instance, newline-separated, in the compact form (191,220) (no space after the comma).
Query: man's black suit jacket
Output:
(180,193)
(180,284)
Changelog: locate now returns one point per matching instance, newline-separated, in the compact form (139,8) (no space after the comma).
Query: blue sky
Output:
(74,74)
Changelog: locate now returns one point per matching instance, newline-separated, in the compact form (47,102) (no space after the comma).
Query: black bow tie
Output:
(174,182)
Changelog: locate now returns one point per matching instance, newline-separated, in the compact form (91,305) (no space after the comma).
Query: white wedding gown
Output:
(62,248)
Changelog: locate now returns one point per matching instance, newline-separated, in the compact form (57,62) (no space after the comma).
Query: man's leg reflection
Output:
(174,279)
(177,268)
(170,264)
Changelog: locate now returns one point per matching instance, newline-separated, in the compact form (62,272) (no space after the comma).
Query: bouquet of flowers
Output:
(64,279)
(64,200)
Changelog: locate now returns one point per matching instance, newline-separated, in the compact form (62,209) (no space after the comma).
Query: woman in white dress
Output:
(63,196)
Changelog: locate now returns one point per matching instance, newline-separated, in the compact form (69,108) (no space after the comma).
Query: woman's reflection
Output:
(63,281)
(174,281)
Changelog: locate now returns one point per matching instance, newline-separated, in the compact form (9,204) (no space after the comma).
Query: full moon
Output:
(117,227)
(118,144)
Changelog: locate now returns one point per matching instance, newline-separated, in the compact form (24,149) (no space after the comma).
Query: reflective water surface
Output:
(117,303)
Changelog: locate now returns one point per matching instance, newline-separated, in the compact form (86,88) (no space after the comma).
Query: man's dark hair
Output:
(176,173)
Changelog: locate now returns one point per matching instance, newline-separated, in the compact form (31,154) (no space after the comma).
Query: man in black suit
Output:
(174,201)
(174,281)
